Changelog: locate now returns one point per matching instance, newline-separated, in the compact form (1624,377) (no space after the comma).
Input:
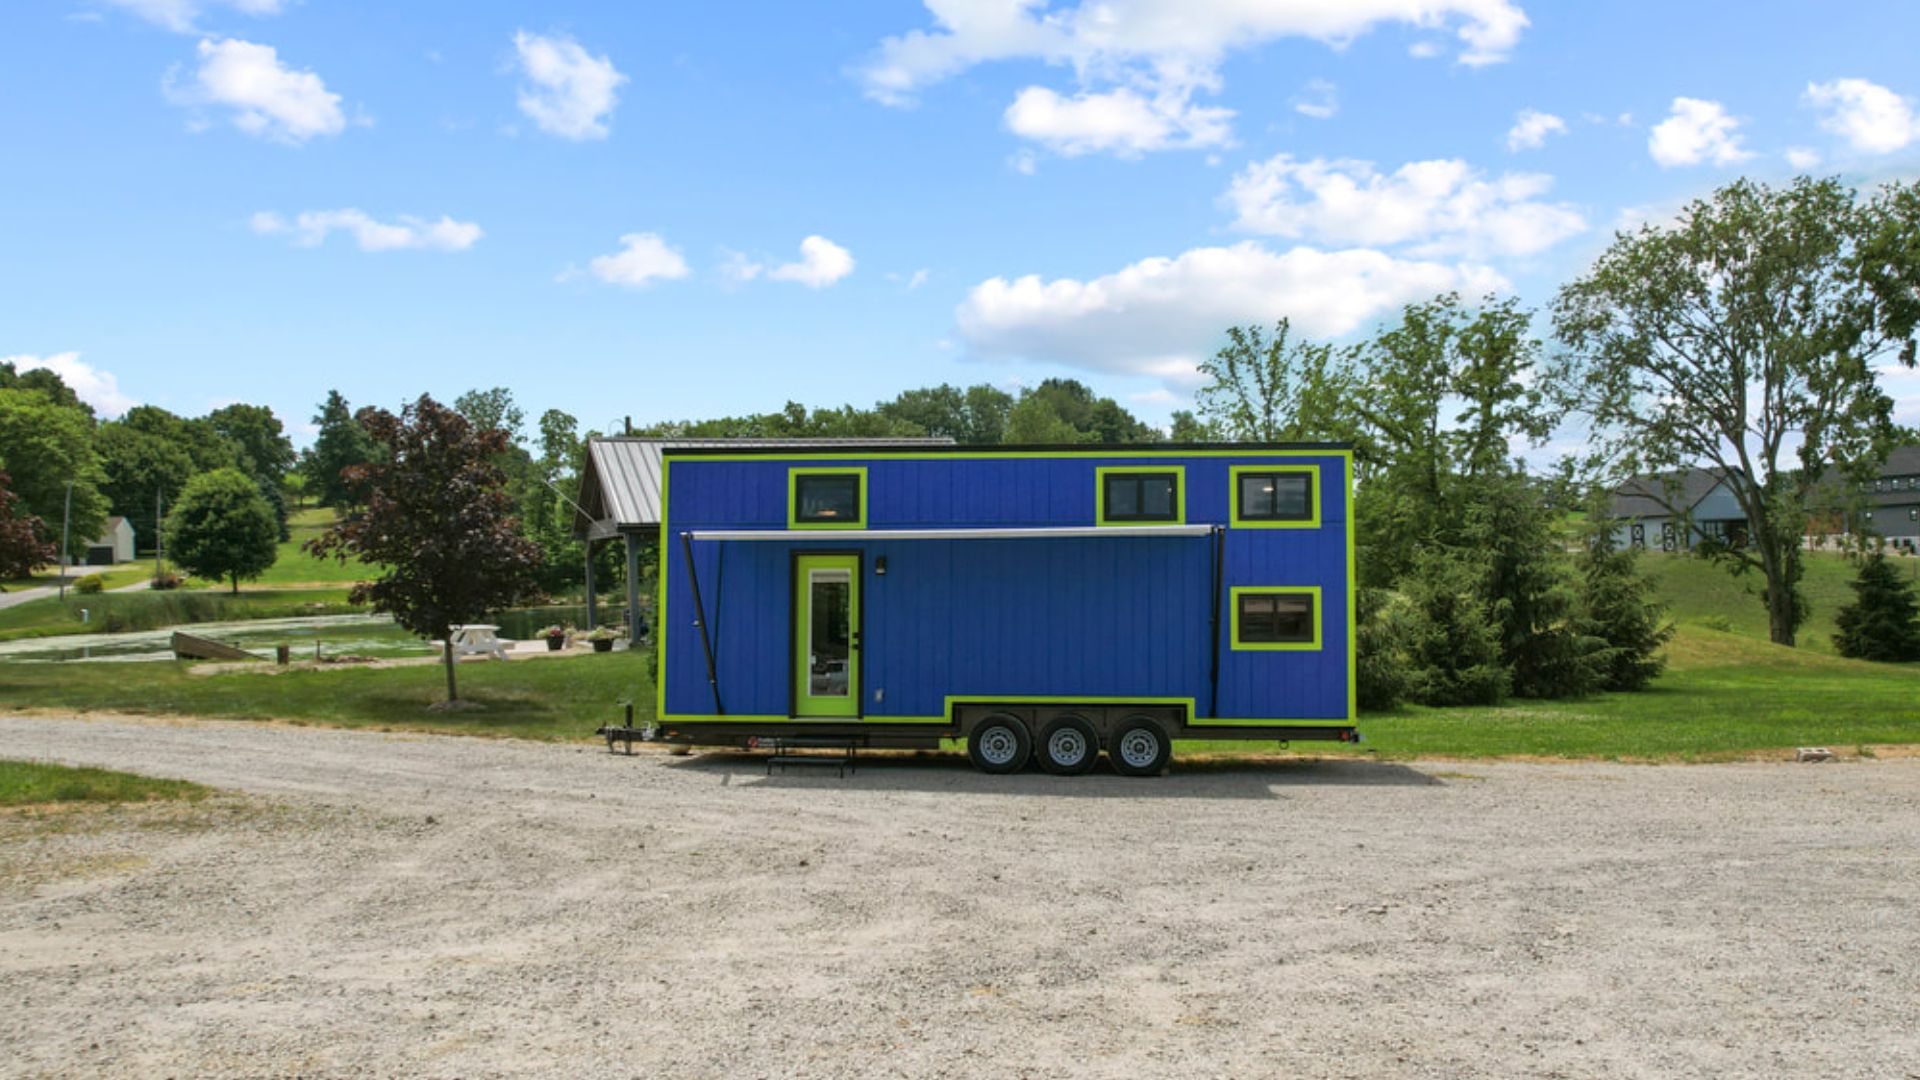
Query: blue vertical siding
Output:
(1108,616)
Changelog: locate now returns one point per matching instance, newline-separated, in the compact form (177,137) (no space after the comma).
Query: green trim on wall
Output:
(793,498)
(823,707)
(1233,496)
(1179,474)
(1233,600)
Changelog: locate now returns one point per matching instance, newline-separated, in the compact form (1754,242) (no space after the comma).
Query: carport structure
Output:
(620,497)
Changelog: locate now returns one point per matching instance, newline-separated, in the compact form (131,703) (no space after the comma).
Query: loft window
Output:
(827,498)
(1276,618)
(1276,496)
(1136,497)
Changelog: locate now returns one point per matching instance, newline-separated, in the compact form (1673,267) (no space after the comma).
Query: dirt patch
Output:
(462,907)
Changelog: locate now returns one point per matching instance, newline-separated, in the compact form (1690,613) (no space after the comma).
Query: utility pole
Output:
(66,520)
(159,537)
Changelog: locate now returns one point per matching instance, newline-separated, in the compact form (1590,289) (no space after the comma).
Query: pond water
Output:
(311,636)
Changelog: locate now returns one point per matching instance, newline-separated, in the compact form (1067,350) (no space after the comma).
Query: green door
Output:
(826,634)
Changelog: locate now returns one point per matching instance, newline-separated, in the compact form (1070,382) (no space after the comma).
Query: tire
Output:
(1139,747)
(999,745)
(1068,747)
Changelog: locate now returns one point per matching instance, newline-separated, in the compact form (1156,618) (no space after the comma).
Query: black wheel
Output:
(1139,747)
(999,744)
(1068,747)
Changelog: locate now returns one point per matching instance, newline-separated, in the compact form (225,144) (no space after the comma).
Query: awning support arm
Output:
(700,620)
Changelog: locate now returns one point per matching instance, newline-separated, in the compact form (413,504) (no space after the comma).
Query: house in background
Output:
(1648,511)
(114,546)
(1892,501)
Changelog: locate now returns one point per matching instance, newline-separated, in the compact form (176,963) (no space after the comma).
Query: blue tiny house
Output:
(1037,603)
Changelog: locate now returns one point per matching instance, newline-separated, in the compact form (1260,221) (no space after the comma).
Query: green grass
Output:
(292,566)
(32,783)
(115,576)
(1724,695)
(532,699)
(146,610)
(1698,592)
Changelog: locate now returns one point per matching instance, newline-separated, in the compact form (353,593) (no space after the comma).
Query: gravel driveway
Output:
(386,905)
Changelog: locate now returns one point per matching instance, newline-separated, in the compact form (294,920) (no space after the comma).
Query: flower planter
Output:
(603,645)
(555,644)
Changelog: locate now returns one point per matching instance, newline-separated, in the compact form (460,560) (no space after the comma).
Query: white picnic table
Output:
(478,639)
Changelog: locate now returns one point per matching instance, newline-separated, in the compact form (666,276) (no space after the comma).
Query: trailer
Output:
(1037,604)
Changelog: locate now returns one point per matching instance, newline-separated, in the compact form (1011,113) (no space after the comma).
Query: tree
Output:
(1453,640)
(493,408)
(1544,645)
(44,446)
(222,527)
(1380,663)
(24,547)
(1275,389)
(976,415)
(1036,421)
(340,444)
(1742,336)
(140,466)
(439,519)
(45,380)
(1882,622)
(265,452)
(1619,607)
(1188,428)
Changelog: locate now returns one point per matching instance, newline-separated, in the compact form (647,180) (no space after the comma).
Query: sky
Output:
(665,211)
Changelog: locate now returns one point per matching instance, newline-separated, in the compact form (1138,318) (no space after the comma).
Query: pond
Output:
(309,636)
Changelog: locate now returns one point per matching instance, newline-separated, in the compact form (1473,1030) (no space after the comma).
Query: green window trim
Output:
(794,476)
(1179,474)
(1318,640)
(1311,521)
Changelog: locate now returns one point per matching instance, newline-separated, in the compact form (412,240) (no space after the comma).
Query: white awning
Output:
(1043,533)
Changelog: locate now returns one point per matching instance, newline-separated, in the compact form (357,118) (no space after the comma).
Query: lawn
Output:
(1700,593)
(1726,695)
(533,699)
(113,577)
(32,783)
(293,567)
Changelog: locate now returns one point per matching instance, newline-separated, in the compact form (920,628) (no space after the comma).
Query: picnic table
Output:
(478,639)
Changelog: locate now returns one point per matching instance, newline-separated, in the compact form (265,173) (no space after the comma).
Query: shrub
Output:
(164,582)
(1718,622)
(1452,639)
(1617,606)
(1881,622)
(92,583)
(1381,662)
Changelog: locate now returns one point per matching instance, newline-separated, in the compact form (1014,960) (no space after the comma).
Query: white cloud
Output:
(1801,157)
(180,16)
(1138,62)
(1869,116)
(1122,122)
(1318,99)
(568,92)
(1161,316)
(1442,207)
(1696,131)
(269,99)
(310,229)
(1531,128)
(822,262)
(918,279)
(1168,36)
(95,387)
(643,259)
(1024,162)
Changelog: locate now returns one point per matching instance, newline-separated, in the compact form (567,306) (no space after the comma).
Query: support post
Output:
(633,591)
(592,608)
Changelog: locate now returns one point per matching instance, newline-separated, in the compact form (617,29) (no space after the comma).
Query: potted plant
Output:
(556,636)
(602,638)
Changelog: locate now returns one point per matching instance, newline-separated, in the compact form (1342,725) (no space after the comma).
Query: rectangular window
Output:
(1276,617)
(1275,496)
(826,498)
(1141,496)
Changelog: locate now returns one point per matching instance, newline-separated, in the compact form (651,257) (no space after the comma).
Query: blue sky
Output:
(683,210)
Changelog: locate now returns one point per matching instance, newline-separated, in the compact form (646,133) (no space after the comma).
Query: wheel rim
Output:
(1067,747)
(998,745)
(1139,749)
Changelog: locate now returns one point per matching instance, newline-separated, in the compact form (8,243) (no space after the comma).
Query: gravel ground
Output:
(417,905)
